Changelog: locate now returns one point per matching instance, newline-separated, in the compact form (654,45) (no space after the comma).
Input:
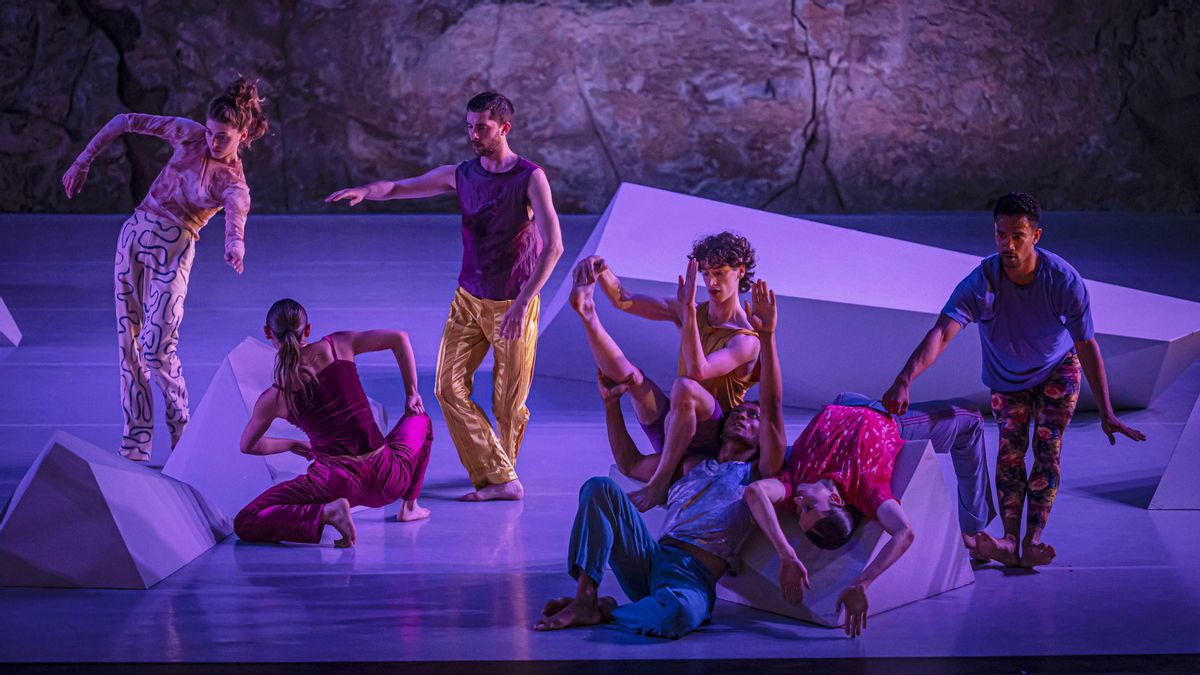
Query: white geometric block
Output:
(935,563)
(208,456)
(85,518)
(9,333)
(853,305)
(1179,487)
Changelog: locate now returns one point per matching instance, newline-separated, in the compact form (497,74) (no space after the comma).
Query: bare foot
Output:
(582,297)
(1034,555)
(648,497)
(556,605)
(577,613)
(337,514)
(510,491)
(971,542)
(410,511)
(1003,551)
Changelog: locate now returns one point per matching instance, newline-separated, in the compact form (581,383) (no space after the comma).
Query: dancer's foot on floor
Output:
(648,497)
(1035,555)
(971,541)
(1003,551)
(336,514)
(510,491)
(575,612)
(410,511)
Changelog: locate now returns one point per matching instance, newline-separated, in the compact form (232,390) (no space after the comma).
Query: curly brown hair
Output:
(730,249)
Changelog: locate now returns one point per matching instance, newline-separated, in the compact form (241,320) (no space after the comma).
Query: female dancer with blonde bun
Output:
(157,244)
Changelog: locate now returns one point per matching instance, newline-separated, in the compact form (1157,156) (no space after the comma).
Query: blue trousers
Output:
(671,592)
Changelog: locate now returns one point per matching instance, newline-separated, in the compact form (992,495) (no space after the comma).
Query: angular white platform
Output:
(208,455)
(1179,487)
(85,518)
(10,335)
(935,563)
(853,305)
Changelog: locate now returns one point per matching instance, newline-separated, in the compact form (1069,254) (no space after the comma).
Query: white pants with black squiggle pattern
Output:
(154,261)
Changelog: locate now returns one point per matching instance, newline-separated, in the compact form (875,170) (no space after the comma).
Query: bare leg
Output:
(582,610)
(688,402)
(410,511)
(648,400)
(510,491)
(337,514)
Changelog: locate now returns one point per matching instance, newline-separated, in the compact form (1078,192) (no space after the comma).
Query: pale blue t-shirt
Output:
(1025,331)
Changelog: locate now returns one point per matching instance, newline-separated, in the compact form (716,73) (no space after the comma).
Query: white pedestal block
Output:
(85,518)
(935,563)
(852,305)
(208,456)
(1180,484)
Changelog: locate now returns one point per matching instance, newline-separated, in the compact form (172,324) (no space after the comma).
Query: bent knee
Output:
(686,391)
(597,485)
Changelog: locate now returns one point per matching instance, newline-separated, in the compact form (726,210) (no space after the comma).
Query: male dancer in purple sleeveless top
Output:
(511,242)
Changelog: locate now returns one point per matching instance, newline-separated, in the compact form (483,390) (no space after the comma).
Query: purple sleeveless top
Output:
(500,242)
(338,421)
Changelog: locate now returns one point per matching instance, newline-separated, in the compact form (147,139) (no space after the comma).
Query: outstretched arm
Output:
(170,129)
(645,306)
(894,521)
(772,439)
(761,496)
(439,181)
(397,342)
(254,442)
(896,398)
(1093,368)
(546,220)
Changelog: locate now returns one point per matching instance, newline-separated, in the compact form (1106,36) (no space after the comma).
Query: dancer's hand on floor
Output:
(74,178)
(762,314)
(413,405)
(1113,425)
(354,194)
(793,579)
(854,599)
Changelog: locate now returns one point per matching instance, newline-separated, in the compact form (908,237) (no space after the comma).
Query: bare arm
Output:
(1093,368)
(645,306)
(630,461)
(254,442)
(892,518)
(896,398)
(761,497)
(397,342)
(772,439)
(439,181)
(546,220)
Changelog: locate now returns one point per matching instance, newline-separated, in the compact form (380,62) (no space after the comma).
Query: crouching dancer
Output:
(317,389)
(839,470)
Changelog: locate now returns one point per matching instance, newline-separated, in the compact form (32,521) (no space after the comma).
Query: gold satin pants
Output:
(473,327)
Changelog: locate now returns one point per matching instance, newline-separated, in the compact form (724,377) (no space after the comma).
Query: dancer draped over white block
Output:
(157,243)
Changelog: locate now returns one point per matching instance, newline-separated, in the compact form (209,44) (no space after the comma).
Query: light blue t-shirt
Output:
(1025,331)
(705,508)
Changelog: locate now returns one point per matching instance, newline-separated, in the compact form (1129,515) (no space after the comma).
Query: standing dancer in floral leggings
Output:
(1035,328)
(157,244)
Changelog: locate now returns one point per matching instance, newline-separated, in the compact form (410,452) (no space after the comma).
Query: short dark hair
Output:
(834,530)
(730,249)
(1018,204)
(497,104)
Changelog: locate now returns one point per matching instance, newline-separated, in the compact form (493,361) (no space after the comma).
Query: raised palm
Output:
(762,314)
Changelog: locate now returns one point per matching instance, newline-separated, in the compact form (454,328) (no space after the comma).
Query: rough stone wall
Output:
(800,106)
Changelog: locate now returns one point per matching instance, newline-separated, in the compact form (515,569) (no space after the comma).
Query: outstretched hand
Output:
(354,194)
(1113,425)
(854,599)
(73,179)
(762,314)
(686,292)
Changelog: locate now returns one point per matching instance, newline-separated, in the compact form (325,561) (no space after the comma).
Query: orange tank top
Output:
(730,389)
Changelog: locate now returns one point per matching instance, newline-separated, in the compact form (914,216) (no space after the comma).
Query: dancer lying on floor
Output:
(717,351)
(317,389)
(838,471)
(671,581)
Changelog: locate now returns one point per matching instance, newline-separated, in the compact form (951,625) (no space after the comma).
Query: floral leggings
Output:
(1050,406)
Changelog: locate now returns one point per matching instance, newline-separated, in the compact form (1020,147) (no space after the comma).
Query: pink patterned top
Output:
(193,185)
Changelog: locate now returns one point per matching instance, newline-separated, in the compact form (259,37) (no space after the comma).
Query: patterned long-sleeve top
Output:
(193,185)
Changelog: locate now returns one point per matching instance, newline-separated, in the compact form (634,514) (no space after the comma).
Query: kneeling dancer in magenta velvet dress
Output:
(317,389)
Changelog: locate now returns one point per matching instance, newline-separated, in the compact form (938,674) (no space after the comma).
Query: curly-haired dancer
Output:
(718,351)
(157,243)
